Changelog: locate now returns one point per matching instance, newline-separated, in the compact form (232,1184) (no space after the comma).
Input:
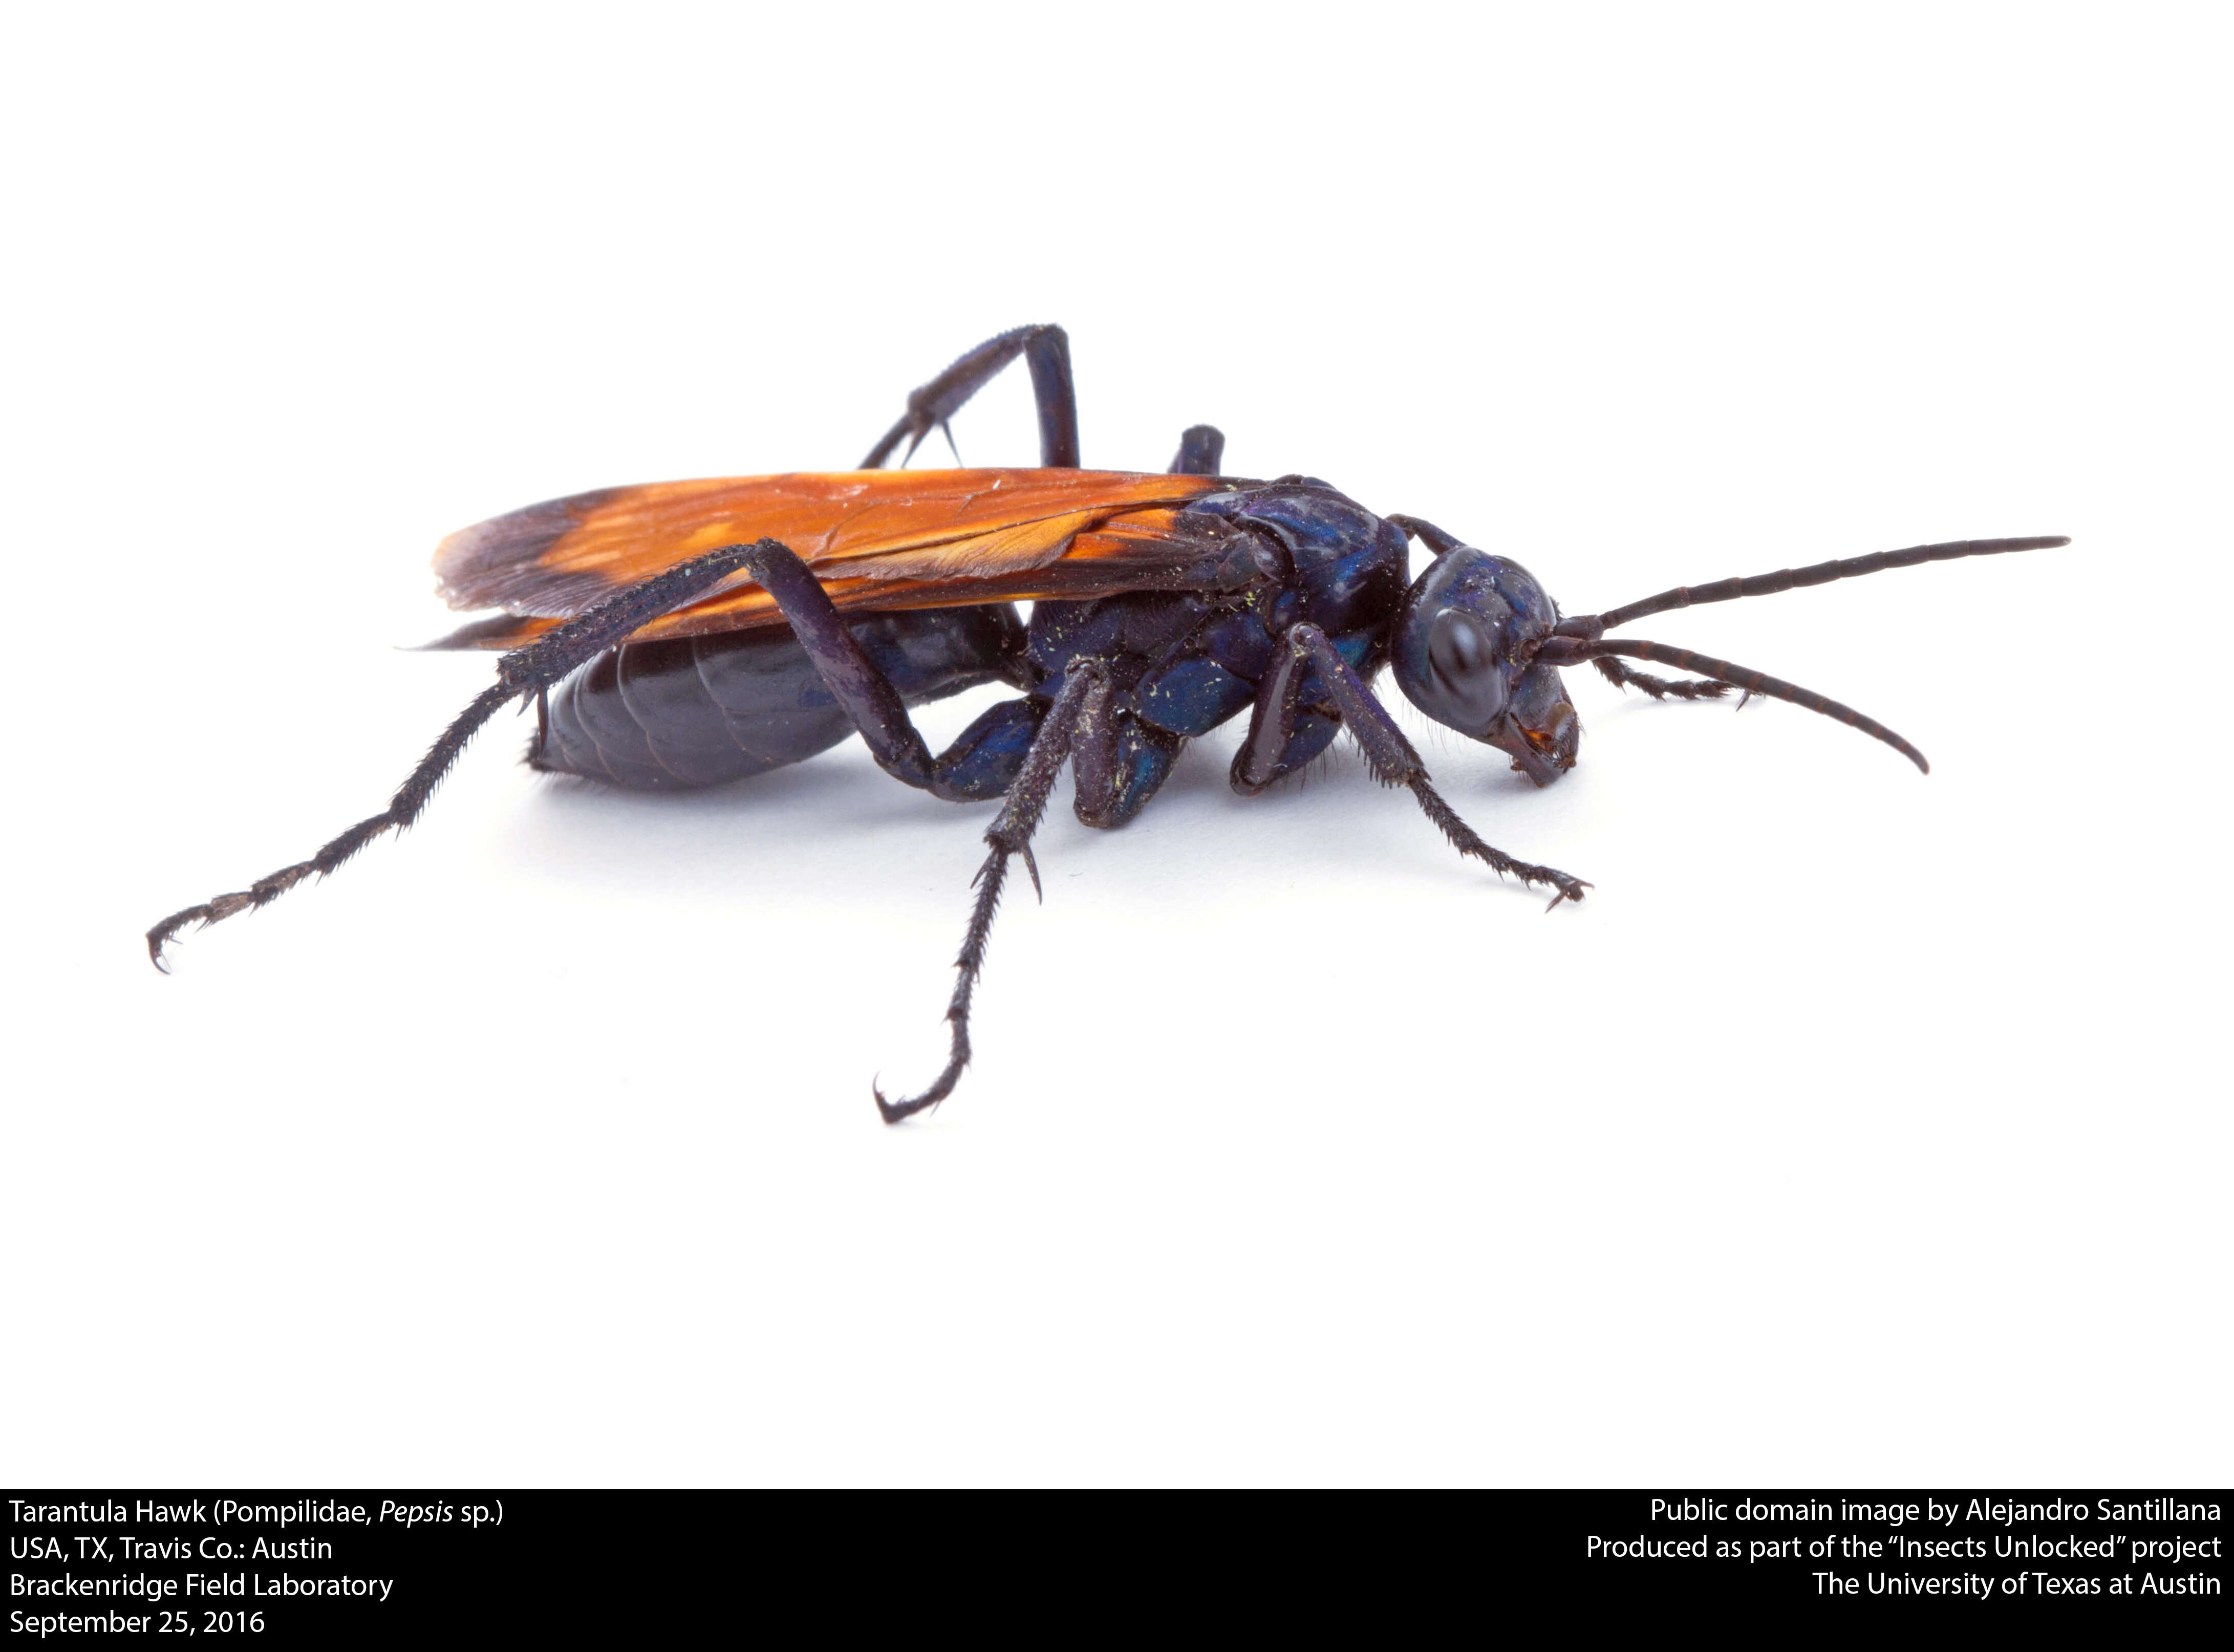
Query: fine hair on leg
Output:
(523,673)
(1388,755)
(1084,698)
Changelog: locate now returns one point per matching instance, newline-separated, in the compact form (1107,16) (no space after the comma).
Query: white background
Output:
(1860,1127)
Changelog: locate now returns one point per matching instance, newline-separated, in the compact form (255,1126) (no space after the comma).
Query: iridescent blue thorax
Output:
(1299,550)
(1185,661)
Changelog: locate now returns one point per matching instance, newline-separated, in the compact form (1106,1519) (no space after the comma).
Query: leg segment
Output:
(1083,702)
(1202,449)
(1118,762)
(529,671)
(864,692)
(1388,753)
(1046,351)
(1272,749)
(852,678)
(986,757)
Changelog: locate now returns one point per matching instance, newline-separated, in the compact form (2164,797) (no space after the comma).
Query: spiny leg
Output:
(524,671)
(1084,699)
(1389,754)
(1046,351)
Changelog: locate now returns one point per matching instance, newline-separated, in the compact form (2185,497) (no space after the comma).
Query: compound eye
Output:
(1466,667)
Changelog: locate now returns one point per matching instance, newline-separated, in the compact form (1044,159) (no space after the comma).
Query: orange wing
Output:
(877,538)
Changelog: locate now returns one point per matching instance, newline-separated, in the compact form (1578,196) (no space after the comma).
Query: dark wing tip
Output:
(483,566)
(497,631)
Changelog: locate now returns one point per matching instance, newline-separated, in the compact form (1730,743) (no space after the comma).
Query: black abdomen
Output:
(699,711)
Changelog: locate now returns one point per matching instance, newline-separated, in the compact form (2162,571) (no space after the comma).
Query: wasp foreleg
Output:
(1389,754)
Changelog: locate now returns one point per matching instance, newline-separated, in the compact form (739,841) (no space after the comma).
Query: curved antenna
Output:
(1573,651)
(1821,573)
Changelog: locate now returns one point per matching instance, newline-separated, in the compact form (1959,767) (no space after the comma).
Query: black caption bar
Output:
(283,1568)
(1827,1551)
(265,1566)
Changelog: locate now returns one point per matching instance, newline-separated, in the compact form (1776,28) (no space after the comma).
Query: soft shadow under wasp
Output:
(685,634)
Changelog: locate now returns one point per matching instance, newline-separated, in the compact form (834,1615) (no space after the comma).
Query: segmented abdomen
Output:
(700,710)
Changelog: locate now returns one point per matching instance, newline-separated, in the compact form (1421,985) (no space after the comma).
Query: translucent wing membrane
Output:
(880,539)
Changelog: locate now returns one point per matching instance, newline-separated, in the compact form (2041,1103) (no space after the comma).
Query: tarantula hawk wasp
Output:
(683,634)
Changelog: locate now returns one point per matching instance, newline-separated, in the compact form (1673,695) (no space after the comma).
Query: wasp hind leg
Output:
(980,764)
(524,671)
(1046,351)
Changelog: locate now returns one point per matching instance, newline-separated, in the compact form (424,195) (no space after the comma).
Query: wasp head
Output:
(1465,641)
